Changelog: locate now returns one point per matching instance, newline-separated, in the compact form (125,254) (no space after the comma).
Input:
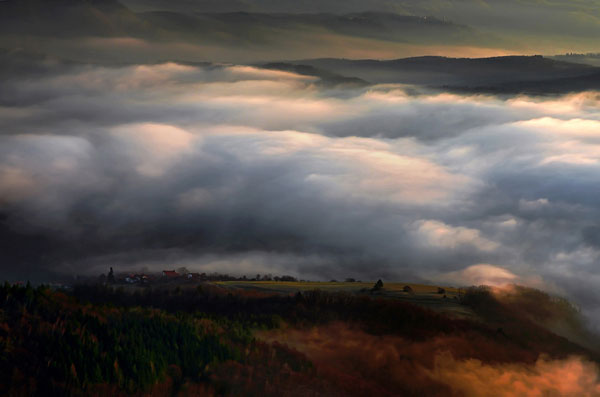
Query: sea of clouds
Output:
(243,170)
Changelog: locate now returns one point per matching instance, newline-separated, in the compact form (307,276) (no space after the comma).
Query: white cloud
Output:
(481,274)
(359,181)
(442,236)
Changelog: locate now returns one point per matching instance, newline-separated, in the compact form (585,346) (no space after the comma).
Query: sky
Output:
(112,155)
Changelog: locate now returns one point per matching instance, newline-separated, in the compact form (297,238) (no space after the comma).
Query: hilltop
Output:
(213,340)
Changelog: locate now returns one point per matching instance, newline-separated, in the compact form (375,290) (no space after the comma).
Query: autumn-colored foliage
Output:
(210,340)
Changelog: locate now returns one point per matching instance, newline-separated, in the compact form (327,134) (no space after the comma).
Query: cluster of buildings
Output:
(173,275)
(164,276)
(182,275)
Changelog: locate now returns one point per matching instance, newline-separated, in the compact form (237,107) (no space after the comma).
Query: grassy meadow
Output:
(424,295)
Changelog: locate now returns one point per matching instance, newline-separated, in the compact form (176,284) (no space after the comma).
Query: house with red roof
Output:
(170,274)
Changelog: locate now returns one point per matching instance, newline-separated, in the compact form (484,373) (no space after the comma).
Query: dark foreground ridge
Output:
(211,340)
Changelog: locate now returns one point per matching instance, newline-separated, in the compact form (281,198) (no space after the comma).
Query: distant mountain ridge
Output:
(557,86)
(446,72)
(271,36)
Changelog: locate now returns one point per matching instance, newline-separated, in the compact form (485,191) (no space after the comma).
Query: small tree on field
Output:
(111,276)
(378,286)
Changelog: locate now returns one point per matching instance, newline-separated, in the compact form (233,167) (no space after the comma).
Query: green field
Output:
(422,295)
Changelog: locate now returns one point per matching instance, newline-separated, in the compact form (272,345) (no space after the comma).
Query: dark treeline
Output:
(268,310)
(97,339)
(377,315)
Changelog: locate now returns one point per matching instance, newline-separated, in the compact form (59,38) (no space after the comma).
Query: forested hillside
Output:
(210,340)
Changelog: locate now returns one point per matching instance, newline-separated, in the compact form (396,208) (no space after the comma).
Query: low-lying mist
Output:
(439,366)
(248,169)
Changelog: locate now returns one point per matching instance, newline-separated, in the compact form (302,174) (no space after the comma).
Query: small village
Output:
(181,275)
